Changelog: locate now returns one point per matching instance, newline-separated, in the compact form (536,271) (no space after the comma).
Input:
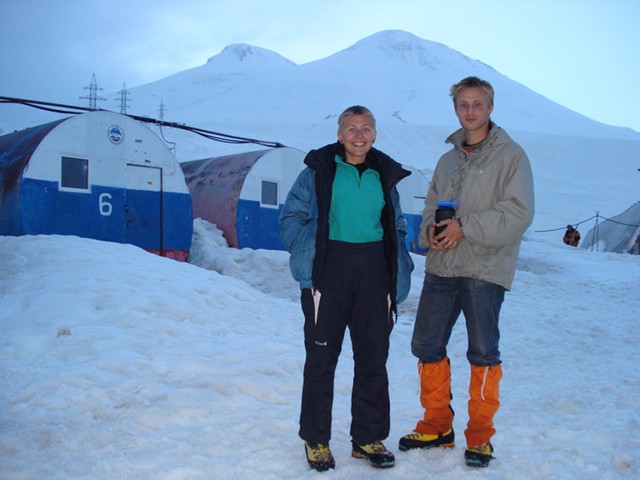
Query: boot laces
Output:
(485,449)
(374,447)
(321,452)
(426,436)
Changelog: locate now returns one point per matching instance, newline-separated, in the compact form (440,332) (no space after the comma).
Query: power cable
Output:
(209,134)
(586,220)
(565,226)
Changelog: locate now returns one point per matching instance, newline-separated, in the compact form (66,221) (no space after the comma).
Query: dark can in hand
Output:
(446,211)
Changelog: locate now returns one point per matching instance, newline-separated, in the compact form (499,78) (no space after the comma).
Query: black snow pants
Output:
(353,292)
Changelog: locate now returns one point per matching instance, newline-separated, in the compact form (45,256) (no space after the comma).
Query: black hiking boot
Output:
(375,453)
(319,456)
(479,456)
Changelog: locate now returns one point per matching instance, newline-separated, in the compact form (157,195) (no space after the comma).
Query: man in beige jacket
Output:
(469,267)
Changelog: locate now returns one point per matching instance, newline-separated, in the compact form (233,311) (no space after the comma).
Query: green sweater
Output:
(356,205)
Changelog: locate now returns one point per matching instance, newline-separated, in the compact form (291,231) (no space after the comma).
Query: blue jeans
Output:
(441,302)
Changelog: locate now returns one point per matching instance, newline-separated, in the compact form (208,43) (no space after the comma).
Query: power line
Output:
(209,134)
(586,220)
(564,226)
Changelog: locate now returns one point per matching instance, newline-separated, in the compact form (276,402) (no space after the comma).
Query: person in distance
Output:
(571,236)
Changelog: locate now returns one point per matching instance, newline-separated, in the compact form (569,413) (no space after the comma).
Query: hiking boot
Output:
(319,456)
(479,456)
(426,440)
(375,453)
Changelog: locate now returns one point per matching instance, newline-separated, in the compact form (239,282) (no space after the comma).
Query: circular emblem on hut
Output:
(115,134)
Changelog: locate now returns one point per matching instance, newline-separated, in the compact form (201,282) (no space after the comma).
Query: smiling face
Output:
(473,109)
(357,133)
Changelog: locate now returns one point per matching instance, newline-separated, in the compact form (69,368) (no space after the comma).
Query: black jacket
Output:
(322,161)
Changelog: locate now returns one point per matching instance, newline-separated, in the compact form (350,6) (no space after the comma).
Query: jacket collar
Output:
(391,172)
(496,134)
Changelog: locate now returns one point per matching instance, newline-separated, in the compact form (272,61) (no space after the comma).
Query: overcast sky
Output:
(583,54)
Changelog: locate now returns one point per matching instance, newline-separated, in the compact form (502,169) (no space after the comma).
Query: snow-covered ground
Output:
(118,364)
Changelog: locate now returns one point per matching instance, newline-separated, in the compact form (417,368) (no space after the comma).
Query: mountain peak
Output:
(394,36)
(240,56)
(405,47)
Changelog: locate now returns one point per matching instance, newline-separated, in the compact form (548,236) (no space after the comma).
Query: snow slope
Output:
(121,364)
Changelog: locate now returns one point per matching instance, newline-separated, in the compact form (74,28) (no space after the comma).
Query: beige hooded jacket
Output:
(494,185)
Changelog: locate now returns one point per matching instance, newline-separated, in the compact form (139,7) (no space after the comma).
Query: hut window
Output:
(269,193)
(75,173)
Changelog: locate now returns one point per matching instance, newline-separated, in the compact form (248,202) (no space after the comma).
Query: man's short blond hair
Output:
(472,82)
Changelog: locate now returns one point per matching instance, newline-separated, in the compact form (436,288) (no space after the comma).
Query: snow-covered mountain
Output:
(404,79)
(253,92)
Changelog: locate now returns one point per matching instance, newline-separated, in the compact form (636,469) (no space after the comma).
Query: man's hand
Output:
(447,239)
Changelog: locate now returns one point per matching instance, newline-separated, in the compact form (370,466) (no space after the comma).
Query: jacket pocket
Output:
(303,252)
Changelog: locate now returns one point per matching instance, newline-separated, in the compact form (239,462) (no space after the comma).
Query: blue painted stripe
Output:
(258,227)
(104,213)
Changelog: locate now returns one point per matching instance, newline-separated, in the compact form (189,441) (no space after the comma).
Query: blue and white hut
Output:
(99,175)
(243,194)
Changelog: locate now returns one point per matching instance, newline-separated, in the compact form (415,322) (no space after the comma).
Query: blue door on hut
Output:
(143,207)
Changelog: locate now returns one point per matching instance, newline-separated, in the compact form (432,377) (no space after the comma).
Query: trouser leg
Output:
(435,397)
(438,311)
(323,343)
(483,403)
(481,304)
(370,325)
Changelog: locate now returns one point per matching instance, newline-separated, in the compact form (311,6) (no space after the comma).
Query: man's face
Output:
(473,108)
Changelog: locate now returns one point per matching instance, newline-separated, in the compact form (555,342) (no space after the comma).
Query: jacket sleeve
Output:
(508,219)
(297,211)
(299,226)
(405,263)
